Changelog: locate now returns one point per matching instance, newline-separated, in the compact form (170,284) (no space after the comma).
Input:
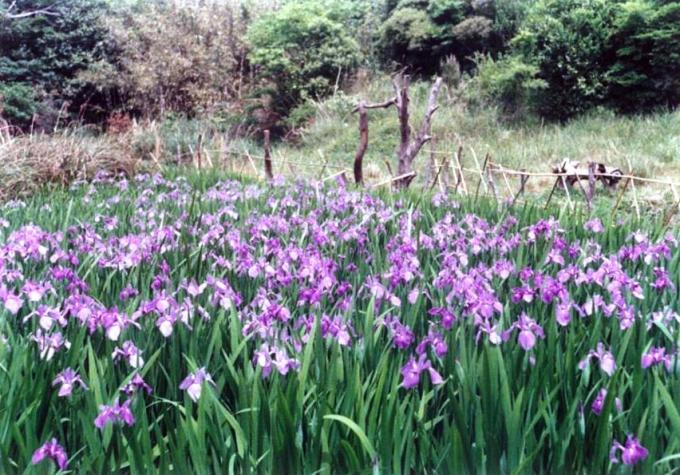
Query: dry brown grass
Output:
(28,162)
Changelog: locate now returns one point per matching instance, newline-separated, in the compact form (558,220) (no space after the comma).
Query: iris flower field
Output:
(203,324)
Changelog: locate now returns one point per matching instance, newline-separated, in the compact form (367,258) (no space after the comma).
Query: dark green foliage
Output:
(508,82)
(49,51)
(17,104)
(623,55)
(567,41)
(646,44)
(303,51)
(420,33)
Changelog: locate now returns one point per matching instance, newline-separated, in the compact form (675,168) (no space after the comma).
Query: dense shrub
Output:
(421,33)
(624,55)
(646,44)
(174,58)
(508,82)
(567,41)
(301,51)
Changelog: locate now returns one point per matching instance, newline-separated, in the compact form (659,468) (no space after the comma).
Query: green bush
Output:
(646,73)
(589,53)
(567,41)
(420,34)
(302,50)
(172,58)
(17,104)
(507,81)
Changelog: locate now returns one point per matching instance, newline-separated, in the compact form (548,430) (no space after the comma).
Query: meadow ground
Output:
(647,146)
(196,323)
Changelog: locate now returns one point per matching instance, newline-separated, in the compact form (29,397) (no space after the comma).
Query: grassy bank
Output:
(649,145)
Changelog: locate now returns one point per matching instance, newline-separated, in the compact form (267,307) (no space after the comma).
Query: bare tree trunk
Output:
(363,144)
(363,136)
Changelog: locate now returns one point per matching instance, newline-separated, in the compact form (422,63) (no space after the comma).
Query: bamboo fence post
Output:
(523,179)
(507,183)
(588,195)
(618,199)
(461,176)
(393,179)
(335,175)
(436,178)
(566,189)
(325,164)
(481,173)
(492,183)
(252,163)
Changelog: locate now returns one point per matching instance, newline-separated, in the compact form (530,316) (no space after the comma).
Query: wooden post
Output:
(268,173)
(438,173)
(566,190)
(199,148)
(591,181)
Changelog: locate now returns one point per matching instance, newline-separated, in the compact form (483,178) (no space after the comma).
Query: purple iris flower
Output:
(337,329)
(662,280)
(115,413)
(594,225)
(563,313)
(48,345)
(656,356)
(193,383)
(11,301)
(631,453)
(52,450)
(436,341)
(129,352)
(411,371)
(402,335)
(68,379)
(271,356)
(492,331)
(136,383)
(528,329)
(606,359)
(128,293)
(447,317)
(598,403)
(35,291)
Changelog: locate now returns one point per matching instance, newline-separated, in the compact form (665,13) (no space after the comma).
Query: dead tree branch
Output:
(409,148)
(363,136)
(8,14)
